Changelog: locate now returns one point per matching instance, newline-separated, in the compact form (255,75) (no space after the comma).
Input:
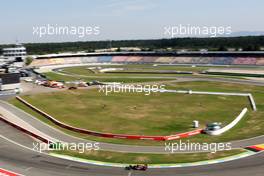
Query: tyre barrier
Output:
(25,130)
(108,135)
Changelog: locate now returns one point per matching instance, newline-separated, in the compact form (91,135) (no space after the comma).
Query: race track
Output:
(15,157)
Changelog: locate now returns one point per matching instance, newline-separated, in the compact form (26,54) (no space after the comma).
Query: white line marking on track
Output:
(27,169)
(9,140)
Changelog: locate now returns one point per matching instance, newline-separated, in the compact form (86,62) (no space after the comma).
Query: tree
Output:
(222,48)
(28,60)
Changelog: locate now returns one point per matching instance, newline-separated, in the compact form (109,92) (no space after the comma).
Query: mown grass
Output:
(102,78)
(82,70)
(154,114)
(137,113)
(143,158)
(83,73)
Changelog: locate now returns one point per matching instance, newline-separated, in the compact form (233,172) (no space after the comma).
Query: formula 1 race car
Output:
(139,167)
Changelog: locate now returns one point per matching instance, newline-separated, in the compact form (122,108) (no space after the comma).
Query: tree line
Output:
(247,43)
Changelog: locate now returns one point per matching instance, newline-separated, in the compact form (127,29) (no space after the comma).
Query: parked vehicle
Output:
(94,83)
(213,126)
(72,88)
(28,80)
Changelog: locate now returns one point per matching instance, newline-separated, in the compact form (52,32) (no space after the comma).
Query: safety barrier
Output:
(184,135)
(108,135)
(25,130)
(230,125)
(249,95)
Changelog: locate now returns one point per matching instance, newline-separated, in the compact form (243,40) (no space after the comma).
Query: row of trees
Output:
(248,43)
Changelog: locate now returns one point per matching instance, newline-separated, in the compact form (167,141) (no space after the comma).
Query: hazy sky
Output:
(124,19)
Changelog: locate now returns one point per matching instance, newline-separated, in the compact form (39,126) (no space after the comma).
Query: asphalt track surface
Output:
(178,77)
(61,136)
(24,161)
(27,162)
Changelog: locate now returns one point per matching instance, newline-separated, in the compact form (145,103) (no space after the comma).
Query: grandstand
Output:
(164,59)
(148,59)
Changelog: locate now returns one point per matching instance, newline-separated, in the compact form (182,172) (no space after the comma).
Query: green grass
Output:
(81,72)
(103,78)
(161,119)
(251,125)
(136,113)
(99,139)
(134,158)
(124,77)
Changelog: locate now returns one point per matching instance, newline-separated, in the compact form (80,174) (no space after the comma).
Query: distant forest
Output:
(248,43)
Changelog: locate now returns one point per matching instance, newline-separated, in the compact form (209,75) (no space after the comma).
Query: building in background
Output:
(9,81)
(15,55)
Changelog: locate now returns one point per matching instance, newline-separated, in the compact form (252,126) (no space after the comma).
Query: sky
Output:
(122,19)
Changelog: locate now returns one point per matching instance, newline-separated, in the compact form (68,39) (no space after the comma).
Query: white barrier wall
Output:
(253,104)
(110,69)
(230,125)
(249,95)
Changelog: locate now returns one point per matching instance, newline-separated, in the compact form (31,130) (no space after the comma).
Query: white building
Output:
(15,54)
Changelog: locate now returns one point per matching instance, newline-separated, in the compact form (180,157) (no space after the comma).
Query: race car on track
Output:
(140,167)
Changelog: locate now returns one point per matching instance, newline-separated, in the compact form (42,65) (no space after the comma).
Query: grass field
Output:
(106,78)
(83,73)
(134,158)
(163,113)
(82,70)
(136,113)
